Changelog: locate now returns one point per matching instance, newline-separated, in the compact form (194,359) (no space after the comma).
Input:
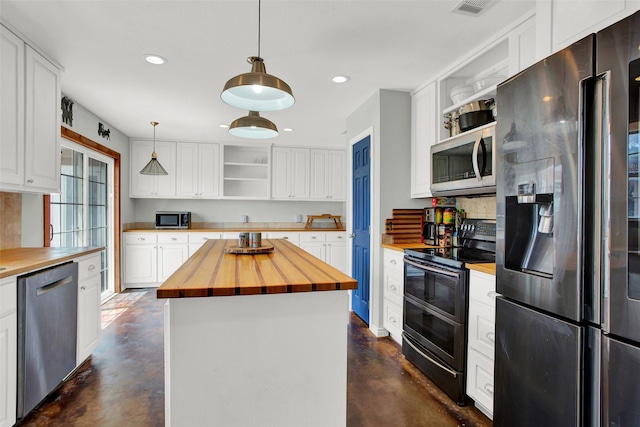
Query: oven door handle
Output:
(432,269)
(454,374)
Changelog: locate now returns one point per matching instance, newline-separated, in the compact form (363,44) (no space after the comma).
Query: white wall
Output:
(231,210)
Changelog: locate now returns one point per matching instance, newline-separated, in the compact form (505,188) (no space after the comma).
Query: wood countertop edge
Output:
(489,268)
(39,258)
(211,272)
(232,230)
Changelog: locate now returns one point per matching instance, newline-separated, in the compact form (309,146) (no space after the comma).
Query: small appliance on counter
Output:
(179,220)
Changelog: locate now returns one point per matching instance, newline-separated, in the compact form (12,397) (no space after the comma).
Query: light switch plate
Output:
(244,218)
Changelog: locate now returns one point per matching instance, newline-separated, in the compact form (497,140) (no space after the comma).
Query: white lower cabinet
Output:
(197,239)
(393,293)
(481,340)
(8,350)
(150,258)
(292,237)
(330,247)
(89,319)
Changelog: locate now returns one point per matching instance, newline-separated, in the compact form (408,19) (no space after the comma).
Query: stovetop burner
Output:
(477,245)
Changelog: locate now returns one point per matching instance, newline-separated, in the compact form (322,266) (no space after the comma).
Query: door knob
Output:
(352,235)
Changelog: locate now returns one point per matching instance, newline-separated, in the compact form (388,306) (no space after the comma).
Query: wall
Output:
(231,210)
(388,114)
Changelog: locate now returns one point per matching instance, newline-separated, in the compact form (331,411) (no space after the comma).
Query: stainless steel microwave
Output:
(465,164)
(173,219)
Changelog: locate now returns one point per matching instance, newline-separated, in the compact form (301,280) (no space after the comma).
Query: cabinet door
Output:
(423,135)
(280,176)
(88,317)
(336,255)
(337,175)
(8,363)
(209,170)
(315,248)
(166,184)
(141,264)
(318,171)
(12,107)
(153,185)
(42,118)
(170,258)
(187,170)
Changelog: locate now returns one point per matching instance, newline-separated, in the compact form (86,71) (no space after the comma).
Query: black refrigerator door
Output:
(621,383)
(537,369)
(618,60)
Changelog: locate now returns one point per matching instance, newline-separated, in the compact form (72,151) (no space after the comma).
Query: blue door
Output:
(361,220)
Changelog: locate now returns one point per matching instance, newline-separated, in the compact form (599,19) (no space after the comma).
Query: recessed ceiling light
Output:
(223,126)
(341,79)
(288,129)
(154,59)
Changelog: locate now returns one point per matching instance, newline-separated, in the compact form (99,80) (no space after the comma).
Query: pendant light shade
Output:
(154,167)
(253,126)
(257,90)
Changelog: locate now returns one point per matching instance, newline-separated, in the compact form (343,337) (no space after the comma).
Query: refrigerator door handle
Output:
(603,231)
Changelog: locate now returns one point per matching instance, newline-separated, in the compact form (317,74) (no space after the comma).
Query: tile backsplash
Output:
(478,207)
(10,220)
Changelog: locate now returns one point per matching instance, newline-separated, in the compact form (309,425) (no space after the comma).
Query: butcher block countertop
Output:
(489,268)
(21,260)
(211,272)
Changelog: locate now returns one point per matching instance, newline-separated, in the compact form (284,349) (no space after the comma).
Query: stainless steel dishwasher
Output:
(47,332)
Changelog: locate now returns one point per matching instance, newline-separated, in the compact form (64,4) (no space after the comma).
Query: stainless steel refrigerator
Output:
(568,241)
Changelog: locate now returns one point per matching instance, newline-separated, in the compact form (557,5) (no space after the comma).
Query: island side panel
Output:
(269,360)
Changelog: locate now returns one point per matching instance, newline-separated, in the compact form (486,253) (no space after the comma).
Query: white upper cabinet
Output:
(290,176)
(328,175)
(198,170)
(153,186)
(30,131)
(423,136)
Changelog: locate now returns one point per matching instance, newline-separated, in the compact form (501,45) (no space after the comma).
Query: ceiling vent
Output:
(473,7)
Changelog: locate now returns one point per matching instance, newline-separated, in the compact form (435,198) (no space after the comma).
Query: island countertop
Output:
(212,272)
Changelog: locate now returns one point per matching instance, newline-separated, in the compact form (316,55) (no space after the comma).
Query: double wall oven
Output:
(436,303)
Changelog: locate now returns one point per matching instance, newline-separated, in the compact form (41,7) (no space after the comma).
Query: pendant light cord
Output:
(259,8)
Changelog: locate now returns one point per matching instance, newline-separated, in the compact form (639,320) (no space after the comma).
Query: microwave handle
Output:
(474,161)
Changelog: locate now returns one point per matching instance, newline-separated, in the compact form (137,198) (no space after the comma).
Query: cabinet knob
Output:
(83,288)
(393,261)
(492,294)
(286,238)
(142,239)
(173,238)
(393,288)
(30,181)
(491,336)
(91,267)
(205,239)
(488,388)
(313,237)
(393,320)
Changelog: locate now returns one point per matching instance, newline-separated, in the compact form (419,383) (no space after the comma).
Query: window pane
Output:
(66,166)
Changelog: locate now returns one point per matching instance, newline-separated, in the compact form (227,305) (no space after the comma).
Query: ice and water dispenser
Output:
(529,217)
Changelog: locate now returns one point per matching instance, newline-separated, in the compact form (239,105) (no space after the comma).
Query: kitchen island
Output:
(256,339)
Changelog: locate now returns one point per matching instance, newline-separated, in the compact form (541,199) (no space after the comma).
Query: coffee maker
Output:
(430,227)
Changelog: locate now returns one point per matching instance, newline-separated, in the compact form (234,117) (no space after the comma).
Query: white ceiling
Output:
(384,44)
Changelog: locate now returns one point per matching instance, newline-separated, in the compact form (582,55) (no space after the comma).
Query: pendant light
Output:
(257,90)
(253,126)
(154,167)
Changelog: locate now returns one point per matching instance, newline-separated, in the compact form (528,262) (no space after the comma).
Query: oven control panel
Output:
(484,229)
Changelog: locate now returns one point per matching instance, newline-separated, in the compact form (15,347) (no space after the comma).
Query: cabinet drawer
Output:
(480,374)
(336,236)
(202,237)
(165,238)
(139,239)
(394,259)
(8,295)
(393,319)
(482,321)
(290,236)
(393,286)
(312,237)
(89,266)
(482,288)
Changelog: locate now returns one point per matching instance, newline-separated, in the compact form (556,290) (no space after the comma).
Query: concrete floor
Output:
(122,384)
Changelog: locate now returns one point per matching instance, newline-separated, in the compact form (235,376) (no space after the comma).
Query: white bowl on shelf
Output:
(460,93)
(481,84)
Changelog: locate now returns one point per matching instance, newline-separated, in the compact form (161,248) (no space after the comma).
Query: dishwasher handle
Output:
(53,286)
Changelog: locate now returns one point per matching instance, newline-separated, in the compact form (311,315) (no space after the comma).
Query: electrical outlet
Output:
(244,218)
(298,218)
